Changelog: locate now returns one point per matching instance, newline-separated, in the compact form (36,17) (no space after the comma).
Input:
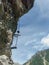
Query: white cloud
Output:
(30,41)
(45,40)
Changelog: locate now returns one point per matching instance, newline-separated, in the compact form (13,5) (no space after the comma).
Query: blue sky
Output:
(34,31)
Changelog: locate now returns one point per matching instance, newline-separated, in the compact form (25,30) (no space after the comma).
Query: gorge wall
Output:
(10,12)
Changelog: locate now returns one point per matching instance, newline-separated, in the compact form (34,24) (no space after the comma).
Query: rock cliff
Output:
(10,12)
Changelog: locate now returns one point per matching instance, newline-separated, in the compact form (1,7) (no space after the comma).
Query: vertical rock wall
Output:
(10,11)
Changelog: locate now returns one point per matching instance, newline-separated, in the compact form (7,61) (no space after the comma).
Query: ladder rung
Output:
(13,47)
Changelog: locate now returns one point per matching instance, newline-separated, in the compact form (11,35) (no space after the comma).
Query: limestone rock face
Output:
(4,60)
(10,12)
(17,64)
